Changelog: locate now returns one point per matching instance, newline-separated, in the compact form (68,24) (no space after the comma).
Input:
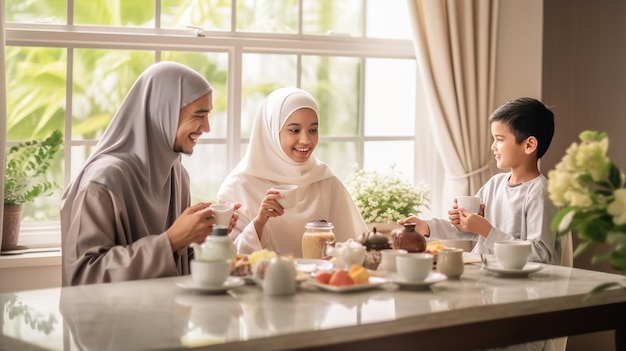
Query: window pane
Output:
(381,155)
(207,170)
(208,14)
(36,79)
(276,16)
(332,16)
(102,79)
(79,156)
(340,157)
(388,19)
(334,81)
(41,11)
(214,67)
(46,208)
(389,97)
(136,13)
(260,75)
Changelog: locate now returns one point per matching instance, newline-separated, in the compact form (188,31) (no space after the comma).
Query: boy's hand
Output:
(420,225)
(453,214)
(470,222)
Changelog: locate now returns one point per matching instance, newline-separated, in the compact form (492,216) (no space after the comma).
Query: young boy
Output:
(516,203)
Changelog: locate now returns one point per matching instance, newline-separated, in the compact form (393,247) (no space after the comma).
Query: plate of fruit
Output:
(357,278)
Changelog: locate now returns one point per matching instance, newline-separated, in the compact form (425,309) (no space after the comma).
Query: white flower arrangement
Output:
(385,198)
(590,187)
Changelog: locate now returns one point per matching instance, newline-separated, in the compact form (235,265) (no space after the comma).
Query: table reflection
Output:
(114,319)
(212,319)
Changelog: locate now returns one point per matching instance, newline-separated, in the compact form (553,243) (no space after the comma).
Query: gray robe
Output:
(115,214)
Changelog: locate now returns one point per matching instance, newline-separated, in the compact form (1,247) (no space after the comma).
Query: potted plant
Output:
(384,198)
(25,180)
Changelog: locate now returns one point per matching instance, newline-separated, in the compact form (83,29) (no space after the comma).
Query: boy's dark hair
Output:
(527,117)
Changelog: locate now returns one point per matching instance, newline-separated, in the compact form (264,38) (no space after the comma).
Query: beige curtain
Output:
(455,45)
(3,106)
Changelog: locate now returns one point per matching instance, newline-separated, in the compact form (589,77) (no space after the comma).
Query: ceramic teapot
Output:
(217,247)
(347,253)
(375,241)
(408,239)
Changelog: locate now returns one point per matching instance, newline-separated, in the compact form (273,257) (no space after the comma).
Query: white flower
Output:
(385,198)
(617,208)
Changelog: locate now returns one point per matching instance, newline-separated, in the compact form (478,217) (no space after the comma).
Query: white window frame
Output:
(233,43)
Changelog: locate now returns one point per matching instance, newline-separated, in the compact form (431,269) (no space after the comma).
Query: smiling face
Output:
(298,137)
(193,121)
(508,153)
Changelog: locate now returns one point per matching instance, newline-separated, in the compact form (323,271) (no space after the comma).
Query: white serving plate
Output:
(374,283)
(312,265)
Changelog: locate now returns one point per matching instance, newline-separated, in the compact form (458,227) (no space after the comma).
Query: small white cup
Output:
(414,266)
(512,254)
(289,195)
(450,262)
(223,213)
(469,203)
(388,259)
(210,273)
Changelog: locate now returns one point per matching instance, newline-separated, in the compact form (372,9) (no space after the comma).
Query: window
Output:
(70,63)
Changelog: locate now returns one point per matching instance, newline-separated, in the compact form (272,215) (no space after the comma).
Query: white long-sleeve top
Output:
(521,211)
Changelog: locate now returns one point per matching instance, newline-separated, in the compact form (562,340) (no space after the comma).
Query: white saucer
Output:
(308,265)
(530,267)
(231,282)
(433,277)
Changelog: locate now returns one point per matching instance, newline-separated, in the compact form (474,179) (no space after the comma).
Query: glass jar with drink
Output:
(316,235)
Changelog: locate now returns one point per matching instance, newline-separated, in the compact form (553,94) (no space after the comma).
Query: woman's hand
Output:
(269,208)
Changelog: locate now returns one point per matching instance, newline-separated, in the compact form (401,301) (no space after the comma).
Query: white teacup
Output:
(388,259)
(222,213)
(469,203)
(414,266)
(210,273)
(289,195)
(512,254)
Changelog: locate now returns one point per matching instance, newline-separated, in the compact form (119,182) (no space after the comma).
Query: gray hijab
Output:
(139,143)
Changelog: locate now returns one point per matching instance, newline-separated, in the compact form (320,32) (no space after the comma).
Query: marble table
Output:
(481,309)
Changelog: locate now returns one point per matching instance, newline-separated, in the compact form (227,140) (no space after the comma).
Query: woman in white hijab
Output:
(126,215)
(283,139)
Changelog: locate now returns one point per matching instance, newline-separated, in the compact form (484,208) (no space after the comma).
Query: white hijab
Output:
(265,158)
(139,140)
(320,194)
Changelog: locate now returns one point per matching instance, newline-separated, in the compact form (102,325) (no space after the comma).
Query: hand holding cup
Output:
(288,193)
(222,213)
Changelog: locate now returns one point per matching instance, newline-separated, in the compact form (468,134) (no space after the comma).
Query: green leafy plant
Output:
(386,197)
(590,187)
(26,165)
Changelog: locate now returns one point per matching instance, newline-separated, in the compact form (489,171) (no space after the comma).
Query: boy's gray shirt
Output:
(522,211)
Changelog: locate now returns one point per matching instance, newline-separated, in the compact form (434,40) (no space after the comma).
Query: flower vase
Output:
(11,226)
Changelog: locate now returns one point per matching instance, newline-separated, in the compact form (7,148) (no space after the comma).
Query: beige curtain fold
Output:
(3,106)
(455,45)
